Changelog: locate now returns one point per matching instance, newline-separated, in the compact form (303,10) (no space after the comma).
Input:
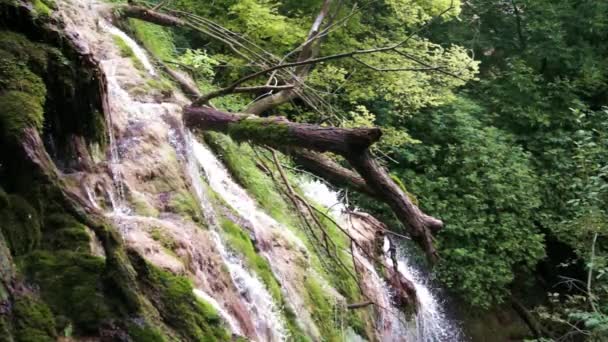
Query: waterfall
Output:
(430,323)
(119,100)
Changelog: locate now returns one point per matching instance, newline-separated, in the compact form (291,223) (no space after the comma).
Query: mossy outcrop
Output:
(191,318)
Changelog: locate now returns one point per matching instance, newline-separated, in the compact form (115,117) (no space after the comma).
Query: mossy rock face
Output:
(142,332)
(70,282)
(192,319)
(20,225)
(35,55)
(22,91)
(32,321)
(64,232)
(19,111)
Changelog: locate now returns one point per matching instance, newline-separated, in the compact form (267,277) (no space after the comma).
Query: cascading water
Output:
(267,232)
(430,323)
(269,325)
(116,100)
(220,181)
(234,326)
(139,53)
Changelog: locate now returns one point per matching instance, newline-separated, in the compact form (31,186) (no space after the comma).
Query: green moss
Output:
(64,232)
(240,243)
(185,204)
(141,205)
(21,49)
(256,128)
(398,181)
(4,201)
(22,92)
(6,334)
(157,234)
(33,321)
(156,39)
(192,318)
(70,282)
(16,75)
(239,160)
(144,333)
(41,8)
(19,110)
(161,84)
(242,166)
(126,51)
(322,309)
(20,225)
(152,85)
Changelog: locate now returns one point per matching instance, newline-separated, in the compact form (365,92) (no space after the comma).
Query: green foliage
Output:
(199,61)
(477,180)
(415,12)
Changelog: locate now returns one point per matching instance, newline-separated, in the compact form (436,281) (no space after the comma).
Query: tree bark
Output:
(351,143)
(278,131)
(151,16)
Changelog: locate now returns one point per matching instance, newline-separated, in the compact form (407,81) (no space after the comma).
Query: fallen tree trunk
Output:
(151,16)
(353,144)
(278,131)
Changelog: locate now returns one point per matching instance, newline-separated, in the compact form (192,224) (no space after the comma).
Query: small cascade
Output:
(139,53)
(234,326)
(221,182)
(269,324)
(120,102)
(430,323)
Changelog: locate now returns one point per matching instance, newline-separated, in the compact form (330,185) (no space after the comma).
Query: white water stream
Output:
(430,323)
(269,324)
